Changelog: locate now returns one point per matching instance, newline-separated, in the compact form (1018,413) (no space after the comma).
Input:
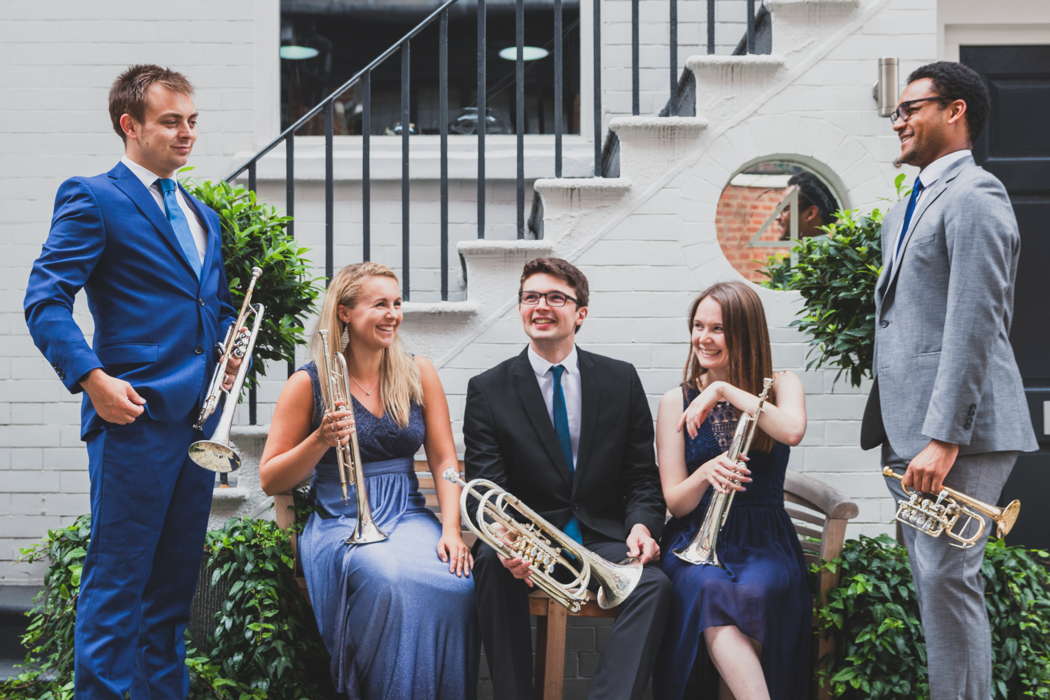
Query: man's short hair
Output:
(563,270)
(813,192)
(128,94)
(954,81)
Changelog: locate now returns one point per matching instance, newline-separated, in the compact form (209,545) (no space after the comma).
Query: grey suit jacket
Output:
(944,367)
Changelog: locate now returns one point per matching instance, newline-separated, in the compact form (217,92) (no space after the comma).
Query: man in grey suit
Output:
(947,404)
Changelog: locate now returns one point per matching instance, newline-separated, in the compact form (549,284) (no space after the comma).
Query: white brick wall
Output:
(58,59)
(645,257)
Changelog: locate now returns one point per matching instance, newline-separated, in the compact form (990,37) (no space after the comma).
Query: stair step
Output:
(799,24)
(727,84)
(648,145)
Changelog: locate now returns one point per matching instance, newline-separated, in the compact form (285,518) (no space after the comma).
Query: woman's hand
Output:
(725,475)
(452,549)
(700,408)
(336,426)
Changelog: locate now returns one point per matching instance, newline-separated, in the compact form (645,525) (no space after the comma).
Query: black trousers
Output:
(503,620)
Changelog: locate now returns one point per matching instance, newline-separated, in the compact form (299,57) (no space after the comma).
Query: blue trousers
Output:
(149,513)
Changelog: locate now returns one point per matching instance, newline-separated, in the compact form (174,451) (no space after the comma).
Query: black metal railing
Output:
(605,151)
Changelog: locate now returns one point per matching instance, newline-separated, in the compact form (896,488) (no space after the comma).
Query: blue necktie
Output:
(561,427)
(178,222)
(916,189)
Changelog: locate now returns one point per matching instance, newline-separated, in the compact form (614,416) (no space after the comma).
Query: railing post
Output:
(559,77)
(597,15)
(482,112)
(710,26)
(750,26)
(366,166)
(519,106)
(443,126)
(289,206)
(673,41)
(635,82)
(253,399)
(329,196)
(406,114)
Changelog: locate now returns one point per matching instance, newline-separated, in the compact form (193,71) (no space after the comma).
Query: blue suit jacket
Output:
(156,324)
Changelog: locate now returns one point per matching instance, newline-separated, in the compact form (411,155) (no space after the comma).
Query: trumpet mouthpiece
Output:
(451,474)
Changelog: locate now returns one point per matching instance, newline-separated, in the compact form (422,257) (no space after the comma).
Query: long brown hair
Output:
(747,343)
(399,382)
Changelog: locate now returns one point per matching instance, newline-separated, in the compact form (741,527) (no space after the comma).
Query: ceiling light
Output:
(528,53)
(297,53)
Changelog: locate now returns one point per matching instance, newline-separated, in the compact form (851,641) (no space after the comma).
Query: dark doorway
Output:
(1016,148)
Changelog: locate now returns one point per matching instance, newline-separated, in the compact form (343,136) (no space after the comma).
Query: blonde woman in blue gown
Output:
(741,630)
(396,615)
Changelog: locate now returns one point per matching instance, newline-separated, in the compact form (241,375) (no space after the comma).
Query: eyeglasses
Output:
(553,298)
(906,109)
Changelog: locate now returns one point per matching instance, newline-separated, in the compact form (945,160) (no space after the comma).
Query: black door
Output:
(1015,147)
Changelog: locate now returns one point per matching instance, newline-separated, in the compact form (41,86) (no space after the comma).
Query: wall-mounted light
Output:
(528,53)
(887,88)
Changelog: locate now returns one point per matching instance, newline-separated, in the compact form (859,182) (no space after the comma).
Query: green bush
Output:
(254,234)
(836,275)
(875,616)
(264,644)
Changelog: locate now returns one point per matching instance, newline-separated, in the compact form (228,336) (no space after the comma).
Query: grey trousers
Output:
(950,586)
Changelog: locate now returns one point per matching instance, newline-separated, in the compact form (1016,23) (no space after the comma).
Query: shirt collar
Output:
(541,366)
(146,176)
(933,172)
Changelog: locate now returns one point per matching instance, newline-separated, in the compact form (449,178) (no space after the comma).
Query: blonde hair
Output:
(399,382)
(747,343)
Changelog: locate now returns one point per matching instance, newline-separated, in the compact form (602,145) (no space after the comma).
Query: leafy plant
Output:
(263,646)
(254,234)
(836,275)
(874,613)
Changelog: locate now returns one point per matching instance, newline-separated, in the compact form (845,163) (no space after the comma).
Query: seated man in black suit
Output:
(570,433)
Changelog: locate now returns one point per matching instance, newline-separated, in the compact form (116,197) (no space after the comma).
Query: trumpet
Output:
(513,529)
(217,453)
(941,515)
(336,377)
(701,550)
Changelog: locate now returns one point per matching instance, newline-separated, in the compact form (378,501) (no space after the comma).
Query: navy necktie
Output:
(178,222)
(916,190)
(561,427)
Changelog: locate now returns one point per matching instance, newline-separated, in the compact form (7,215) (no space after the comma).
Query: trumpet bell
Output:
(616,581)
(1005,522)
(215,456)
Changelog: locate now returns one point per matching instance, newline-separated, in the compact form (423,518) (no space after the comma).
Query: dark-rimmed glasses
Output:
(553,298)
(906,109)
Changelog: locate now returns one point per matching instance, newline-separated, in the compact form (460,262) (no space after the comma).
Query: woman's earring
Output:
(345,337)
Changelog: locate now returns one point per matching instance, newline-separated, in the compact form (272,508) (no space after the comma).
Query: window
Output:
(323,44)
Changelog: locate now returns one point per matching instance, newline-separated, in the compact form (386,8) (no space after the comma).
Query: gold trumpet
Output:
(701,550)
(513,529)
(336,378)
(941,515)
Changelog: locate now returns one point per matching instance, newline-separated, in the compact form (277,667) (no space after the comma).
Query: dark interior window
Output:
(325,42)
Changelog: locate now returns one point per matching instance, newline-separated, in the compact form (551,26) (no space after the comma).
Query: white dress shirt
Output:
(928,176)
(570,384)
(149,181)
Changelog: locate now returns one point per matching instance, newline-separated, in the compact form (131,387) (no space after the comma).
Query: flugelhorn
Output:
(701,550)
(336,377)
(217,453)
(940,515)
(514,530)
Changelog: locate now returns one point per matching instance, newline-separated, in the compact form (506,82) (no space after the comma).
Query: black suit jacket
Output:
(510,440)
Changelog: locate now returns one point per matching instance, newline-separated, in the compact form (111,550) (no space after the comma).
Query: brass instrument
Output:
(217,453)
(940,515)
(701,550)
(514,530)
(351,470)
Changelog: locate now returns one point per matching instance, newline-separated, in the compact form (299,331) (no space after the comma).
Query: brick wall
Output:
(741,212)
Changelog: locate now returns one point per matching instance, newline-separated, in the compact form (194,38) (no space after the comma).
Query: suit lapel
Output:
(890,228)
(133,188)
(938,188)
(591,401)
(528,391)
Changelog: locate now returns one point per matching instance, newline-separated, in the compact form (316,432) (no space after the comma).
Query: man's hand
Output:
(518,568)
(235,360)
(641,545)
(114,399)
(927,470)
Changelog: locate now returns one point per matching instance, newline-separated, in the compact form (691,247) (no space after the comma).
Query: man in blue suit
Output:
(148,256)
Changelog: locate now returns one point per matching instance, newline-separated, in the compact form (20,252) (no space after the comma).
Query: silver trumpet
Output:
(514,530)
(351,471)
(217,453)
(952,513)
(702,548)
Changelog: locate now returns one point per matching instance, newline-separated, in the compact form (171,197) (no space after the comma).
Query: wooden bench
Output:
(819,513)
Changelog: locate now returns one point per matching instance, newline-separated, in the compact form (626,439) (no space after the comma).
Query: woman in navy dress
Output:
(396,615)
(741,629)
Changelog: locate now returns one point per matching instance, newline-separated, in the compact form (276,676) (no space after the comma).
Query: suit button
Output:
(883,323)
(200,300)
(198,350)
